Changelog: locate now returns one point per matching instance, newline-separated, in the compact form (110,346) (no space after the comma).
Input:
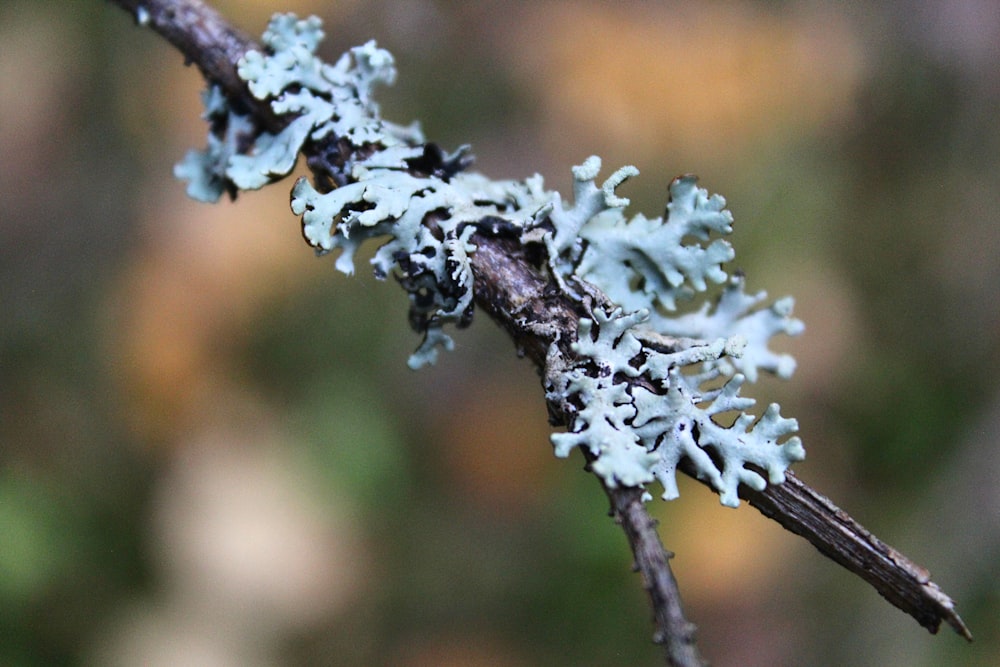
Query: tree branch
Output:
(537,315)
(673,630)
(206,40)
(839,537)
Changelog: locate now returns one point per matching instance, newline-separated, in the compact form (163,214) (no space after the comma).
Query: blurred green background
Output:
(211,449)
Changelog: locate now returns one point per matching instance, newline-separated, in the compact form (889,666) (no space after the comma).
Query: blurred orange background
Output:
(213,452)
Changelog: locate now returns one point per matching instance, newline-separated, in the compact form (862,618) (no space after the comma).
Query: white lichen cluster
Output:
(646,386)
(697,362)
(385,195)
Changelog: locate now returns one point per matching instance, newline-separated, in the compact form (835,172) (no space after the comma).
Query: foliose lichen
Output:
(645,386)
(638,435)
(646,269)
(385,196)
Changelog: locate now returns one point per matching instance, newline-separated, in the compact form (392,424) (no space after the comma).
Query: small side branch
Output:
(673,630)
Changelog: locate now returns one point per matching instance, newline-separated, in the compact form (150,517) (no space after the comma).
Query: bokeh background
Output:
(212,452)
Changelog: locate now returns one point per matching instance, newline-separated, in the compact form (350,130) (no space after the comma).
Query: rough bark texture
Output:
(673,630)
(839,537)
(516,295)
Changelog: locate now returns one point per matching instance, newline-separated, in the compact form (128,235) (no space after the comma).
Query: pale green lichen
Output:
(384,197)
(645,385)
(645,268)
(207,171)
(645,264)
(638,435)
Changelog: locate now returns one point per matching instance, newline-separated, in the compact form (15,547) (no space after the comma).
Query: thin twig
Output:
(206,40)
(673,630)
(521,300)
(838,536)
